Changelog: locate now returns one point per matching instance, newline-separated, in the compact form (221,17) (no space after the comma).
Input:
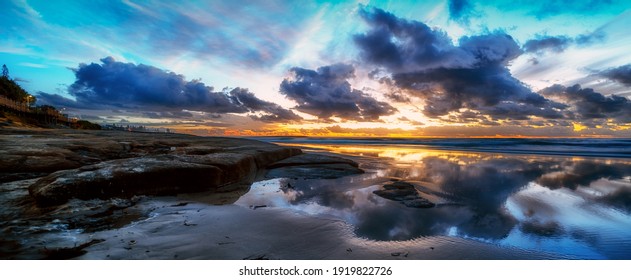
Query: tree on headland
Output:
(5,71)
(10,89)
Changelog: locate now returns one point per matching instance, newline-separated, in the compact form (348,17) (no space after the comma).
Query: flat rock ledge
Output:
(106,164)
(405,193)
(155,175)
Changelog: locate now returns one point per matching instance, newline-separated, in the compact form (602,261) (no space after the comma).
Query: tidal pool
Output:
(570,206)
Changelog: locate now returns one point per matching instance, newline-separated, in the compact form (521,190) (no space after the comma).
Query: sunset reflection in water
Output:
(580,207)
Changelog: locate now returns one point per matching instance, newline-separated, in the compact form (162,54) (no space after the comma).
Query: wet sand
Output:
(200,231)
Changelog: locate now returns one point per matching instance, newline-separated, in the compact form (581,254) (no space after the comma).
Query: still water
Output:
(551,202)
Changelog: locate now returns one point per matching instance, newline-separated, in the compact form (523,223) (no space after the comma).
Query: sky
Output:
(441,68)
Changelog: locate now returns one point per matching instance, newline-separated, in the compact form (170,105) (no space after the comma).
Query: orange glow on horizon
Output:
(337,131)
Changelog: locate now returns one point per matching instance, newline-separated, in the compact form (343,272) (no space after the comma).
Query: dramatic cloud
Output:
(620,74)
(587,104)
(127,85)
(489,90)
(557,44)
(553,43)
(326,93)
(400,45)
(472,75)
(119,85)
(273,112)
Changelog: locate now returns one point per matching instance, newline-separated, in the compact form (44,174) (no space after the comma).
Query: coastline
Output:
(290,208)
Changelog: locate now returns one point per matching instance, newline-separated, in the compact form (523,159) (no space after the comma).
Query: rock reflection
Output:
(473,192)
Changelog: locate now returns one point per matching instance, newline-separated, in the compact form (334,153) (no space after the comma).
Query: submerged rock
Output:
(313,166)
(405,193)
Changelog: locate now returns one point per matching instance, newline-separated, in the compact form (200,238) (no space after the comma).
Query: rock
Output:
(399,185)
(105,164)
(266,156)
(313,166)
(154,175)
(397,195)
(149,175)
(405,193)
(32,152)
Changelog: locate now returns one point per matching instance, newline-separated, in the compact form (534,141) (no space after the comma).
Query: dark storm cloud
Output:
(620,74)
(587,104)
(119,85)
(272,112)
(326,93)
(401,45)
(127,85)
(472,75)
(490,90)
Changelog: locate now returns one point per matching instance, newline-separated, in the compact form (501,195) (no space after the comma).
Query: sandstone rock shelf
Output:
(104,164)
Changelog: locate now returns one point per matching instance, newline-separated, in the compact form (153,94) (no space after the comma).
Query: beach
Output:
(476,205)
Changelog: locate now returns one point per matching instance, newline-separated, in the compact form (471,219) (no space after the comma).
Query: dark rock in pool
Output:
(405,193)
(313,166)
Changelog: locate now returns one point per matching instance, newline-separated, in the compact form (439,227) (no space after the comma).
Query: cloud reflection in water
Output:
(575,206)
